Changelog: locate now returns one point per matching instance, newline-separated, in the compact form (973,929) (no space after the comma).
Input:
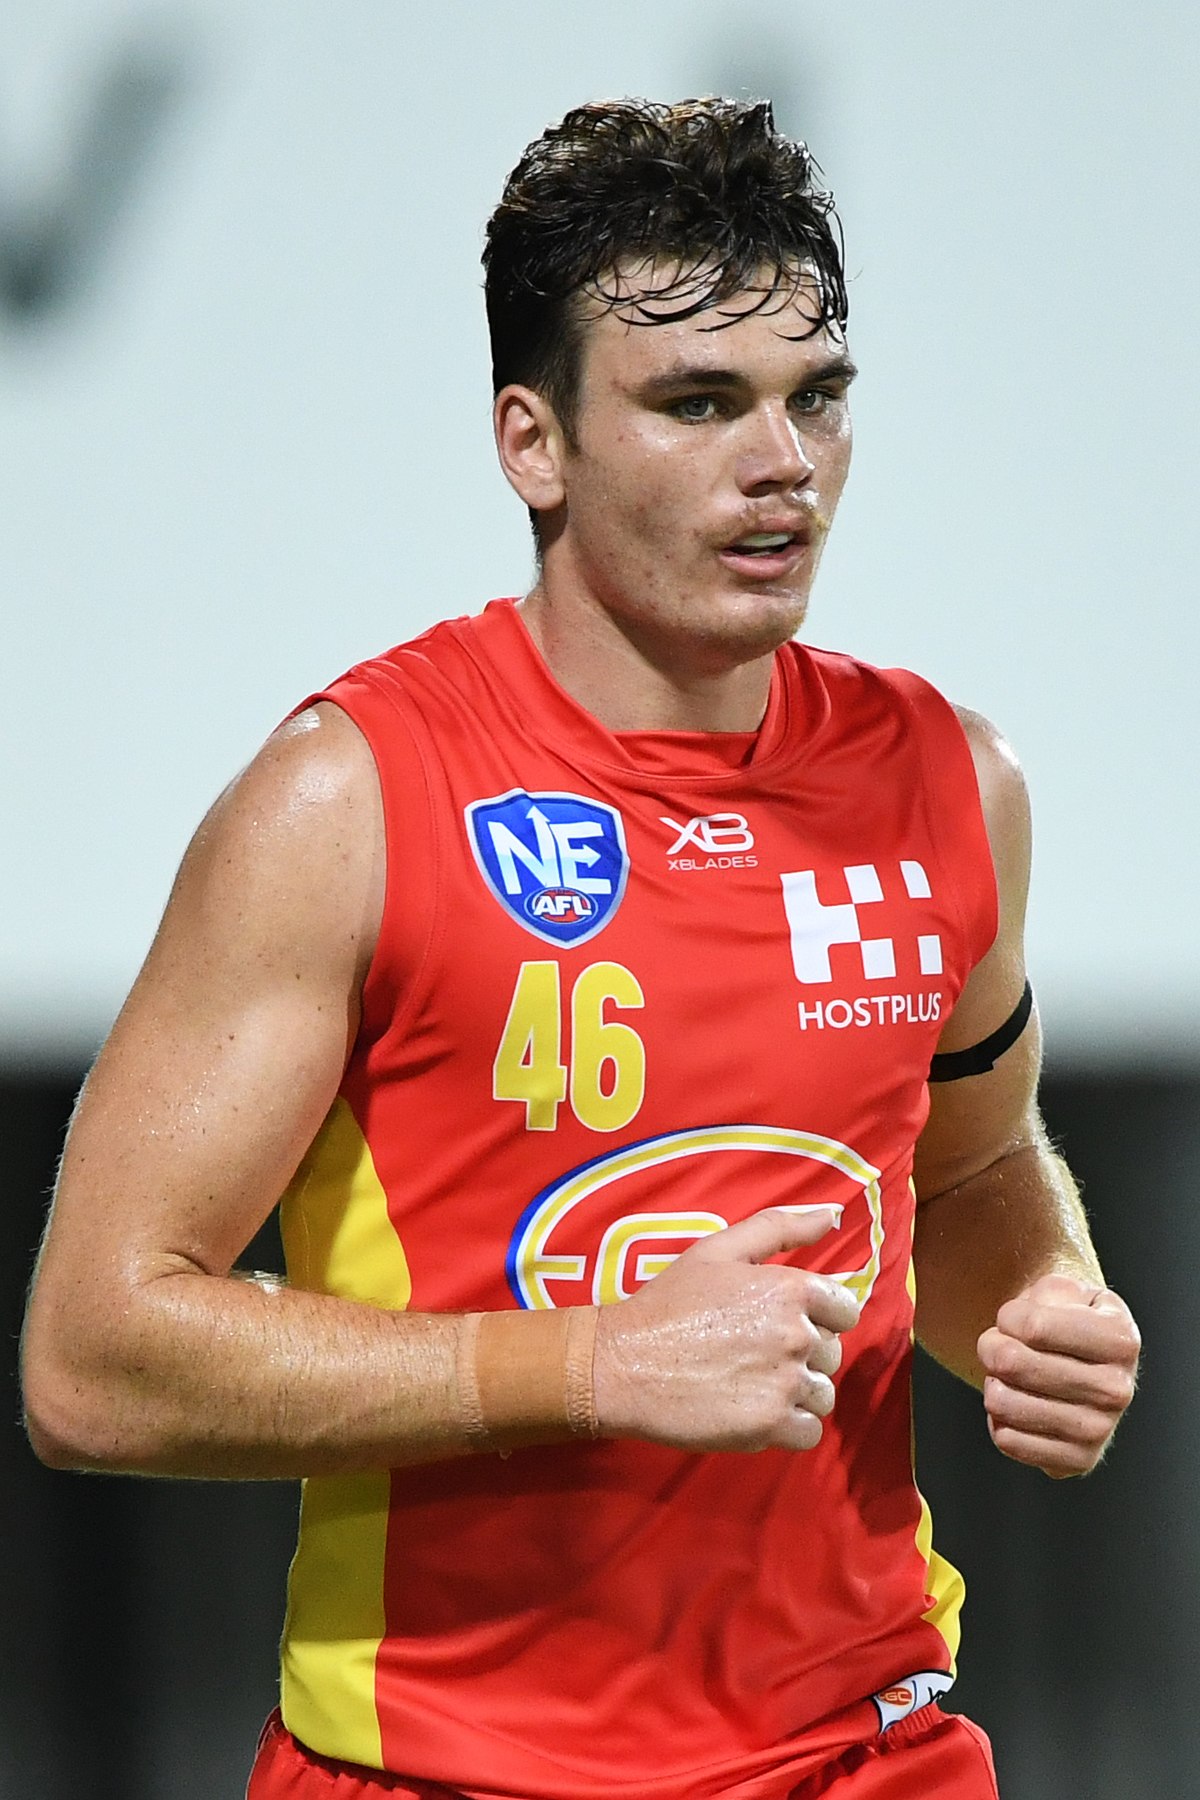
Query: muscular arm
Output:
(1010,1294)
(144,1352)
(141,1352)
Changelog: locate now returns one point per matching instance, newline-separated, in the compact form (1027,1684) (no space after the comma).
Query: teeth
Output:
(765,540)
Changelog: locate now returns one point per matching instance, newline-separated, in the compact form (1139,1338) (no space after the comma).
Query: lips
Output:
(766,556)
(771,546)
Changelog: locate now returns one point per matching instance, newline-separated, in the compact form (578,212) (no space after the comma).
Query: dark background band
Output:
(139,1620)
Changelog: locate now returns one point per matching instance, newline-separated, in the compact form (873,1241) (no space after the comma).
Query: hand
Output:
(1060,1366)
(719,1353)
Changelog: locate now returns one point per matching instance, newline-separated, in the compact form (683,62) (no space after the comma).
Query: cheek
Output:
(832,462)
(649,493)
(618,520)
(840,450)
(665,485)
(639,498)
(659,516)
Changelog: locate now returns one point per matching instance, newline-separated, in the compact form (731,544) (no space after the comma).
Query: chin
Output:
(741,633)
(764,619)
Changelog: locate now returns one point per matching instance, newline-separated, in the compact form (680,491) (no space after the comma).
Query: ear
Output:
(529,443)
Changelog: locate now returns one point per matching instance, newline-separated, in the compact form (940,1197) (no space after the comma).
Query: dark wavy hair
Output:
(708,187)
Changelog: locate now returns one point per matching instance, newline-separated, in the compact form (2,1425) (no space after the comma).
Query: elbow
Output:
(52,1448)
(70,1420)
(77,1400)
(57,1435)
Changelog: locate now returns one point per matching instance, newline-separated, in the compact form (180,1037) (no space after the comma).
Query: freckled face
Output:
(708,467)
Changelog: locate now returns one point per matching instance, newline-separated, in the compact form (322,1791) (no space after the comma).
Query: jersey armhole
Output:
(947,762)
(409,923)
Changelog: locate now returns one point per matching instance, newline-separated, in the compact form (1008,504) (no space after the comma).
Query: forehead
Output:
(630,332)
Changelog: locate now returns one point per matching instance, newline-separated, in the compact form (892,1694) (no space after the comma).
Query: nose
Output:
(774,459)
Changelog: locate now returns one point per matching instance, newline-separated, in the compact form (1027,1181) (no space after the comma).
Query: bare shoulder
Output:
(321,738)
(294,848)
(315,773)
(1003,794)
(972,1123)
(271,922)
(996,765)
(229,1050)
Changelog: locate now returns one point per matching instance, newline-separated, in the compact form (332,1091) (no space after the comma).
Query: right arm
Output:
(143,1351)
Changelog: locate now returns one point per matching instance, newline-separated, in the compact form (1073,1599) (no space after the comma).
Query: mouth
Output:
(767,555)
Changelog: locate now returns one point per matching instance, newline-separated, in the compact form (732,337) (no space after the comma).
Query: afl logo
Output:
(580,1241)
(560,903)
(557,863)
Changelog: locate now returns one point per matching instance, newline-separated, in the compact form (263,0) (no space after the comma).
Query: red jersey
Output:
(630,988)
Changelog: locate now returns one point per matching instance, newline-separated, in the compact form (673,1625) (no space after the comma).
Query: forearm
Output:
(984,1241)
(214,1377)
(210,1375)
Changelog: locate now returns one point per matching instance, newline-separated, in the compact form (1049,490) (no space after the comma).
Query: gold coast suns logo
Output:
(579,1241)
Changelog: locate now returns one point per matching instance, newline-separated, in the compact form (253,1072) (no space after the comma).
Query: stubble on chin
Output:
(711,640)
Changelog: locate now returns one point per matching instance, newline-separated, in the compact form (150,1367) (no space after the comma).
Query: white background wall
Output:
(254,446)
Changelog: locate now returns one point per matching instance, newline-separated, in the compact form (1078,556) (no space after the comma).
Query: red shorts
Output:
(931,1755)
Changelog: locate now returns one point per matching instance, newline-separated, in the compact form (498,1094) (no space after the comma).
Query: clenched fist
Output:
(720,1353)
(1060,1367)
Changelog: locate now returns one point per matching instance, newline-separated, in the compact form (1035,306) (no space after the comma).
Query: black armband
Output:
(952,1065)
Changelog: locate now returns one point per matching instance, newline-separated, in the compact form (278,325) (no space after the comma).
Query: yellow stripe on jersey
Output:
(337,1235)
(339,1240)
(943,1583)
(335,1617)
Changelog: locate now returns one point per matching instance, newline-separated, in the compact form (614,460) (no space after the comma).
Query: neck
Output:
(629,684)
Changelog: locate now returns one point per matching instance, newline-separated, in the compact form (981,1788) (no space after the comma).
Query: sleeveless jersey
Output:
(630,988)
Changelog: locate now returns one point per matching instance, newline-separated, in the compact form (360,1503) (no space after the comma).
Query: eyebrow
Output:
(701,375)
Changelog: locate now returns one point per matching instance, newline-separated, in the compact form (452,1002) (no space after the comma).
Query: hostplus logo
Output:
(817,926)
(711,841)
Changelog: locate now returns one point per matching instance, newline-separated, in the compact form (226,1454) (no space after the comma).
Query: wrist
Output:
(526,1377)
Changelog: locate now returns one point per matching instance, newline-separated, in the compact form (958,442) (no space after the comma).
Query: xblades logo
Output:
(713,840)
(712,833)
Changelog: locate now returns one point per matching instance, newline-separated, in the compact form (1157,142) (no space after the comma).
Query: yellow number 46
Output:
(606,1075)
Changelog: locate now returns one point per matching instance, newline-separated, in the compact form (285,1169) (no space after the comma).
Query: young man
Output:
(574,973)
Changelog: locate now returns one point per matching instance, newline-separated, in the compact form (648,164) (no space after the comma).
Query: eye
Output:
(696,409)
(813,403)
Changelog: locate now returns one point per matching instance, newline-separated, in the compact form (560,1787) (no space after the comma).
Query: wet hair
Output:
(707,189)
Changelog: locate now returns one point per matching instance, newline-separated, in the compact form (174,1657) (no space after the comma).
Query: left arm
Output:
(1010,1295)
